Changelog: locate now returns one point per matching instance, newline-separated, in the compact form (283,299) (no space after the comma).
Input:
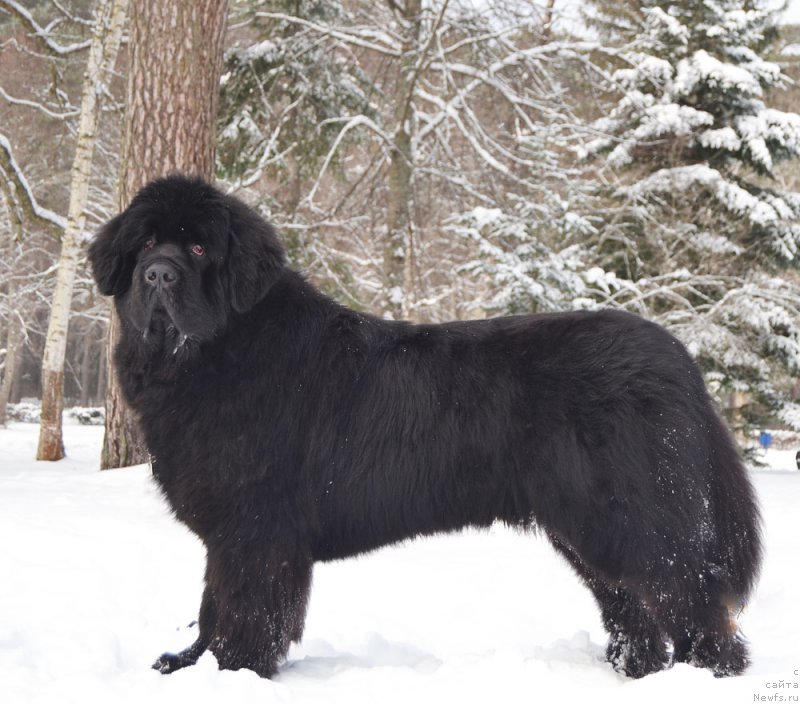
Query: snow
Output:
(702,69)
(730,195)
(266,50)
(656,70)
(657,18)
(99,579)
(723,138)
(486,216)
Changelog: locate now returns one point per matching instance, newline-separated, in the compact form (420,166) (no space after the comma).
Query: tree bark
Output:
(13,344)
(123,444)
(86,373)
(174,66)
(109,22)
(398,246)
(175,62)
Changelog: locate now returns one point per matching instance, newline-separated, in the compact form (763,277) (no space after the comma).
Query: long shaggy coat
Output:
(286,429)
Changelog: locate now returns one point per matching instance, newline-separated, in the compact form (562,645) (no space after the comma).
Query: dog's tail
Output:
(737,521)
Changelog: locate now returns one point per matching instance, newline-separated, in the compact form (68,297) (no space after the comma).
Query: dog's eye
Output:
(149,244)
(198,250)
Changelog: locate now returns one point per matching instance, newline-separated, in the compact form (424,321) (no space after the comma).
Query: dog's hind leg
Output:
(696,610)
(636,645)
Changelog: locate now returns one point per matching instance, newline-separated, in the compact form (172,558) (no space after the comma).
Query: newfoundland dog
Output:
(286,429)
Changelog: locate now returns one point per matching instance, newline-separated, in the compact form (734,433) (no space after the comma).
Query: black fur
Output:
(286,429)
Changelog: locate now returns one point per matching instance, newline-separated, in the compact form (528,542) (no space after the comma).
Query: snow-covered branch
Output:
(38,106)
(350,124)
(39,33)
(363,37)
(22,204)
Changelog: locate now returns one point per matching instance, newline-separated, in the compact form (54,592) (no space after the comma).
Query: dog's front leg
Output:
(260,592)
(169,662)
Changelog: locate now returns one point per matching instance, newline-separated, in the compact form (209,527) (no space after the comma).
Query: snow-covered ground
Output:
(97,579)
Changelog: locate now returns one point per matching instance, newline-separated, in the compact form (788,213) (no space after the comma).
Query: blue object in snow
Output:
(765,439)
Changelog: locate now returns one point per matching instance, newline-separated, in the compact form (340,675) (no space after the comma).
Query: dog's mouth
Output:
(160,325)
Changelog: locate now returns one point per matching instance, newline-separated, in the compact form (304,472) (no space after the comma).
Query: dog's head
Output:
(181,259)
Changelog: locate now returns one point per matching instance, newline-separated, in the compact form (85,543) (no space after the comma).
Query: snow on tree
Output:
(285,95)
(429,111)
(693,221)
(528,263)
(44,56)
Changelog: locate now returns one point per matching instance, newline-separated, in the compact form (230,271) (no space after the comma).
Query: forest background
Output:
(440,159)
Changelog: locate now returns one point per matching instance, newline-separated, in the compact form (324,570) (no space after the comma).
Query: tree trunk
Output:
(13,344)
(174,65)
(101,378)
(86,366)
(123,444)
(108,26)
(398,247)
(174,68)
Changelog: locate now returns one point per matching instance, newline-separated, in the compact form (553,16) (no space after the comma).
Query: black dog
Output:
(286,429)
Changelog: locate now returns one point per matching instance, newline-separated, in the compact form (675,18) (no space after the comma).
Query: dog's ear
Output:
(107,258)
(255,256)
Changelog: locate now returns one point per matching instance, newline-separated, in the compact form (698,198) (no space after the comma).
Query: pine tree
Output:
(284,93)
(288,96)
(695,229)
(175,55)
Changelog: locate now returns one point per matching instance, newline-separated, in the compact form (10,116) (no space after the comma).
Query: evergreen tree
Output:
(694,227)
(287,93)
(284,92)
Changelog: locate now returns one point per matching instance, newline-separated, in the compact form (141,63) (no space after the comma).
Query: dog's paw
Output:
(169,662)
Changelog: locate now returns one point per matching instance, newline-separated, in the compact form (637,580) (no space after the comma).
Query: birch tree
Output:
(109,22)
(45,54)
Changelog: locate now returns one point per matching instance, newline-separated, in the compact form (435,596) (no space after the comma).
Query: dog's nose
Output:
(161,275)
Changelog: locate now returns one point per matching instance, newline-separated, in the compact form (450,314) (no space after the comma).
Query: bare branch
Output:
(21,201)
(37,106)
(351,123)
(423,60)
(364,37)
(40,33)
(72,17)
